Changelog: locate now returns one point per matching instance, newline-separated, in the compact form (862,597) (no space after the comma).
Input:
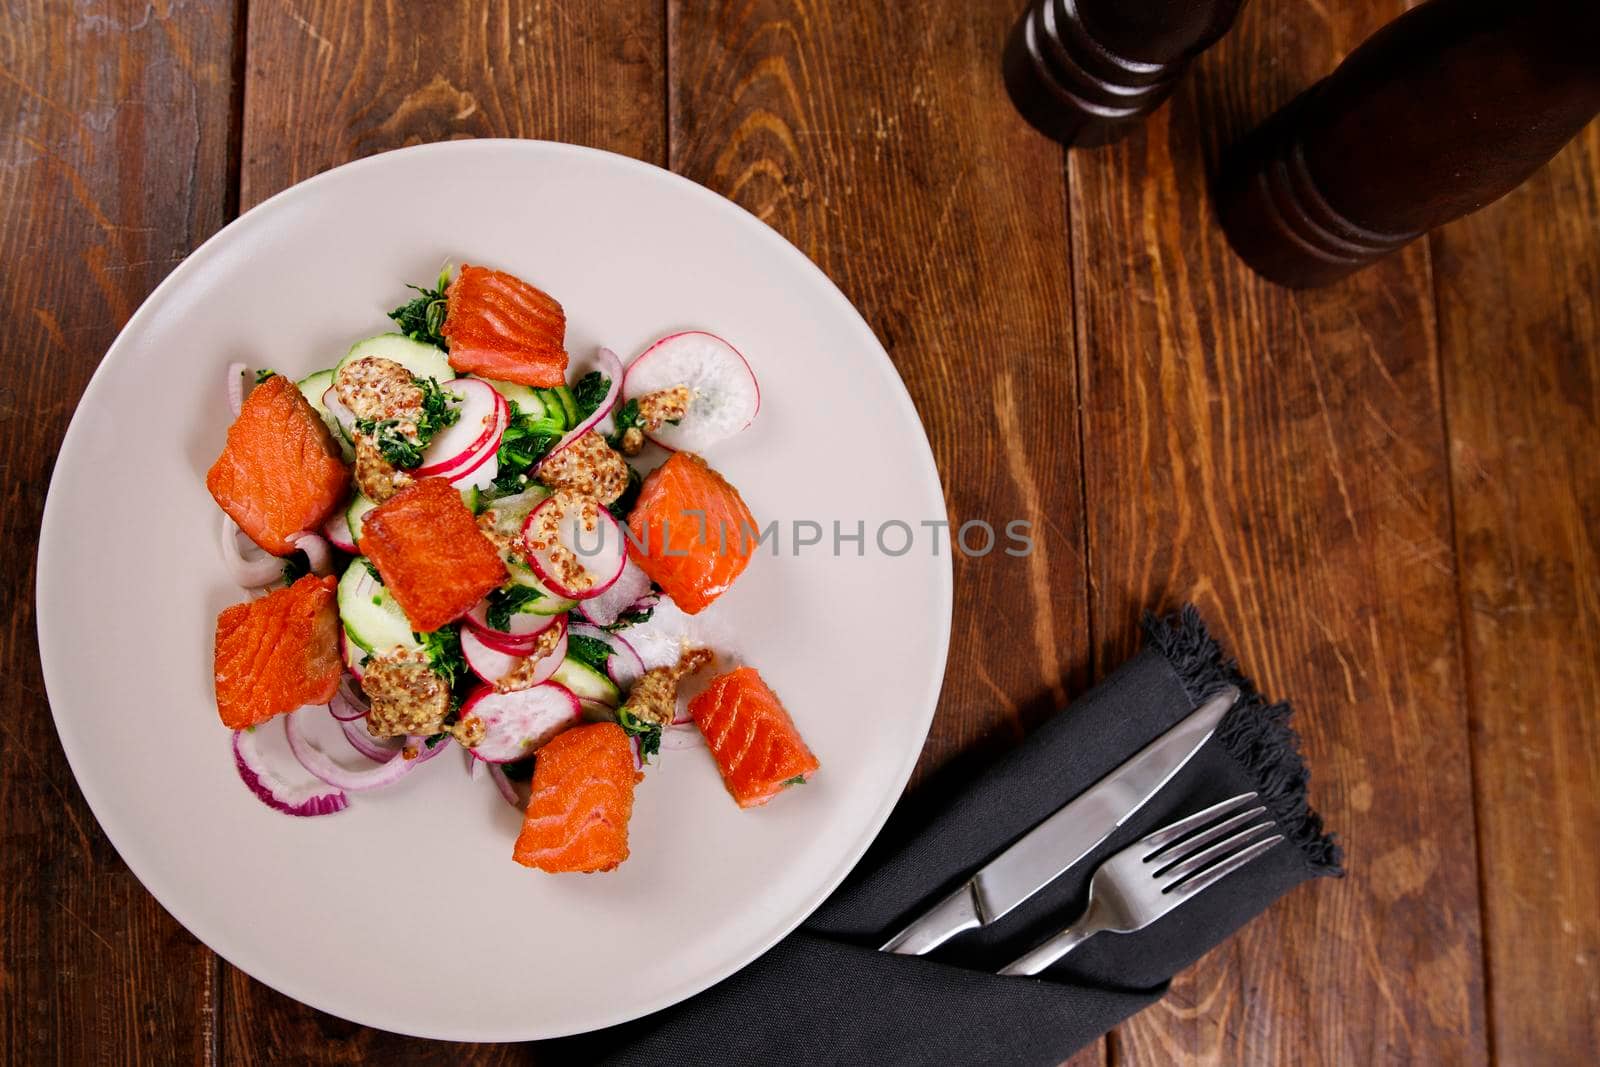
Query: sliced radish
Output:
(268,767)
(619,596)
(482,473)
(478,409)
(520,722)
(606,362)
(337,531)
(492,664)
(624,664)
(523,624)
(482,451)
(586,531)
(723,394)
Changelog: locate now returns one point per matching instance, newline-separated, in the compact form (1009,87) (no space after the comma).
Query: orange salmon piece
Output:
(754,740)
(431,554)
(278,653)
(691,531)
(577,819)
(281,471)
(499,326)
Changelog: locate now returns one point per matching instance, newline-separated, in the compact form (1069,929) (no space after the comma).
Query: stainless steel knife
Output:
(1041,855)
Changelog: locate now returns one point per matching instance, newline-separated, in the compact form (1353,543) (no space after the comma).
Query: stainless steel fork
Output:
(1158,872)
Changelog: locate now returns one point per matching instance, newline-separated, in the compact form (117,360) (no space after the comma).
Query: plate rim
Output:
(116,828)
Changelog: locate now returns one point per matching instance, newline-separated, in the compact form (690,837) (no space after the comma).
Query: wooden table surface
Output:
(1384,494)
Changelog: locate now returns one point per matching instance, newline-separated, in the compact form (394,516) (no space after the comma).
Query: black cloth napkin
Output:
(825,995)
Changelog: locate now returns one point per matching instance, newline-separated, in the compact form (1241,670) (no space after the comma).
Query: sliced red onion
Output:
(508,789)
(638,756)
(624,664)
(277,780)
(318,556)
(475,766)
(236,388)
(323,766)
(347,705)
(375,749)
(619,596)
(518,723)
(606,362)
(251,572)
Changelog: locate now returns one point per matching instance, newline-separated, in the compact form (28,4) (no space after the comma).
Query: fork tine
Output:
(1211,875)
(1201,858)
(1163,837)
(1188,846)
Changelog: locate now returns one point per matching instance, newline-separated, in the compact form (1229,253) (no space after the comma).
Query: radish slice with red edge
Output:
(623,665)
(512,646)
(584,529)
(606,362)
(518,723)
(478,413)
(723,394)
(492,664)
(323,766)
(522,628)
(468,463)
(270,770)
(337,531)
(619,596)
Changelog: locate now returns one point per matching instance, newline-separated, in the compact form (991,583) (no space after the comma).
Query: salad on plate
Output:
(449,543)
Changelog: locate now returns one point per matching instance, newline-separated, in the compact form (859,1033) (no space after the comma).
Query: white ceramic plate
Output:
(406,911)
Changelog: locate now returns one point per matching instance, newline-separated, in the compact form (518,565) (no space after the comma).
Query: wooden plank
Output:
(879,139)
(1519,330)
(1278,458)
(113,166)
(329,81)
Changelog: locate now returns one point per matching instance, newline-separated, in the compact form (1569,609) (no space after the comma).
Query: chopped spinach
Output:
(798,779)
(506,602)
(626,418)
(525,443)
(401,450)
(422,318)
(264,373)
(648,733)
(620,507)
(443,649)
(589,392)
(632,617)
(589,651)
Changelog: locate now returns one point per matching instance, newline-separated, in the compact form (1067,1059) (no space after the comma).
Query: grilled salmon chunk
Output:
(690,531)
(582,799)
(430,552)
(499,326)
(278,653)
(756,745)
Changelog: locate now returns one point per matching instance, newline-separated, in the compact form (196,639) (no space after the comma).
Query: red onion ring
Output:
(347,704)
(497,775)
(318,556)
(322,766)
(355,731)
(249,573)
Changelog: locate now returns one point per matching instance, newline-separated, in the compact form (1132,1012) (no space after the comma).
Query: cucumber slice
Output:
(569,402)
(586,683)
(510,513)
(554,410)
(423,361)
(370,616)
(526,397)
(360,504)
(548,603)
(312,387)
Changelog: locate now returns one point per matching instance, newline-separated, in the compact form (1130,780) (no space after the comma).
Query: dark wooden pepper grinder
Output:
(1085,71)
(1447,108)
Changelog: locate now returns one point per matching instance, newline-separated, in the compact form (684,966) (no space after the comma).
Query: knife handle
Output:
(946,919)
(1044,955)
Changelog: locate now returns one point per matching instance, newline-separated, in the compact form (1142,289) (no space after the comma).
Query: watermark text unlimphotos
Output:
(974,538)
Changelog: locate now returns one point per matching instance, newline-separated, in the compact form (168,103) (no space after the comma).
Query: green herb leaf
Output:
(589,651)
(372,569)
(648,733)
(631,617)
(798,779)
(589,392)
(626,418)
(422,318)
(436,410)
(527,440)
(295,568)
(509,601)
(401,451)
(263,374)
(443,649)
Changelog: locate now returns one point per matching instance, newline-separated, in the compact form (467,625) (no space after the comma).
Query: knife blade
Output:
(1045,852)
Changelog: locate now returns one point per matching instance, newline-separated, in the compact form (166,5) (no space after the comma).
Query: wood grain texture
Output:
(1279,460)
(330,81)
(113,166)
(1519,328)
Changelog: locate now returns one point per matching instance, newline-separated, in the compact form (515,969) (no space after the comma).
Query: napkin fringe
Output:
(1254,732)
